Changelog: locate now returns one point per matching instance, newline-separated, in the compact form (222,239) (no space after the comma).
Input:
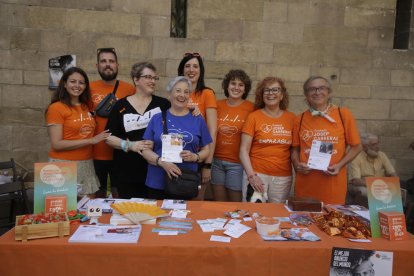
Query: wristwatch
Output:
(207,166)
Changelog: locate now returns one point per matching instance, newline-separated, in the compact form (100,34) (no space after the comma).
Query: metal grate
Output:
(178,27)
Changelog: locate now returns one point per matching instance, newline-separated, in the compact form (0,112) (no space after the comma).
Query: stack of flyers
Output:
(174,204)
(185,223)
(178,231)
(147,201)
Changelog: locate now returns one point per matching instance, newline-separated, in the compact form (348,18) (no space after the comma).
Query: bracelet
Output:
(207,166)
(198,157)
(123,145)
(127,145)
(157,162)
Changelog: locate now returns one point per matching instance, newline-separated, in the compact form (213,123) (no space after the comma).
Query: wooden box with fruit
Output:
(36,226)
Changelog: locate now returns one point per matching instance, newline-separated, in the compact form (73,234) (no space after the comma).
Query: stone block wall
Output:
(349,42)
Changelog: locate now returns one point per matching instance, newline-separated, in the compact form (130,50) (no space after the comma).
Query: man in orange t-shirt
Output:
(107,65)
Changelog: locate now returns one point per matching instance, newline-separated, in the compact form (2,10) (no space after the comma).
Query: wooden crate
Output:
(38,231)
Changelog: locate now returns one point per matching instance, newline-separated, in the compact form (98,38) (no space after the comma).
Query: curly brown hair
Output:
(259,103)
(234,75)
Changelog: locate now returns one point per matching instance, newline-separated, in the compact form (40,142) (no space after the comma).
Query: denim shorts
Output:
(227,173)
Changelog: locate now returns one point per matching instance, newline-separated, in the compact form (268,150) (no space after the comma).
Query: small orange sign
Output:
(393,226)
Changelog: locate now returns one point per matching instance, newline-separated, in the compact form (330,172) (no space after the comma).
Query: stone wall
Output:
(348,41)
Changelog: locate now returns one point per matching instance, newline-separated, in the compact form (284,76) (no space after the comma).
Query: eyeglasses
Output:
(192,54)
(315,89)
(274,90)
(149,77)
(100,50)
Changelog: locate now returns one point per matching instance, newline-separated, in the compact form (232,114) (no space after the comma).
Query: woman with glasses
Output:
(227,171)
(127,122)
(188,129)
(71,128)
(266,142)
(202,97)
(328,124)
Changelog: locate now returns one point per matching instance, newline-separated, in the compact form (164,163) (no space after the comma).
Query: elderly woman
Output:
(179,120)
(232,112)
(192,67)
(323,122)
(127,122)
(71,128)
(266,142)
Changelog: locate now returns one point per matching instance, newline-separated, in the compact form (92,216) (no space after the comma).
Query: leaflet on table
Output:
(186,223)
(220,238)
(237,230)
(160,229)
(172,146)
(350,261)
(55,179)
(320,155)
(293,234)
(384,194)
(174,204)
(106,234)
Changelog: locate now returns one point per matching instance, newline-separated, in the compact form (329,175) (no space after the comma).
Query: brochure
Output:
(106,234)
(384,194)
(174,204)
(293,234)
(350,261)
(320,155)
(172,146)
(176,223)
(55,179)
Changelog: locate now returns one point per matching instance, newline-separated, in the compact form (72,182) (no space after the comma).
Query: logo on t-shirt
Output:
(86,130)
(276,129)
(136,122)
(227,130)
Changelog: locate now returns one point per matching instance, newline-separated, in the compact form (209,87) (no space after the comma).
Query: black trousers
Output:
(103,169)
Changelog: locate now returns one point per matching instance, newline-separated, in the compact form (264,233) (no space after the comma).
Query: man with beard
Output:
(107,65)
(371,162)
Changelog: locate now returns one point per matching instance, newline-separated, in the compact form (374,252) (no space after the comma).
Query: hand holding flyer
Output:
(172,146)
(320,155)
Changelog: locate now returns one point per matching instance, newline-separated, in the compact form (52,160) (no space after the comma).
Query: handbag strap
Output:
(164,122)
(116,87)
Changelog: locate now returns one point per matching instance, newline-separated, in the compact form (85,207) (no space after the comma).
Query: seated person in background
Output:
(371,162)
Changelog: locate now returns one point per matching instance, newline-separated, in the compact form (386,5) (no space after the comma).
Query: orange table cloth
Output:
(192,253)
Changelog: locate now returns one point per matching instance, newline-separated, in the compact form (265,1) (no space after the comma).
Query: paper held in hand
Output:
(320,155)
(172,146)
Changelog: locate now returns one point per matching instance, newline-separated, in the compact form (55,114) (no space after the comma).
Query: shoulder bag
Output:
(105,106)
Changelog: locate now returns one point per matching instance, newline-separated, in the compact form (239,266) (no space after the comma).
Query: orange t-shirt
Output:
(230,121)
(78,123)
(99,89)
(272,139)
(205,99)
(316,184)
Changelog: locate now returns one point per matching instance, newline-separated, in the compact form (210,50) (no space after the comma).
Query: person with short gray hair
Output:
(183,129)
(371,162)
